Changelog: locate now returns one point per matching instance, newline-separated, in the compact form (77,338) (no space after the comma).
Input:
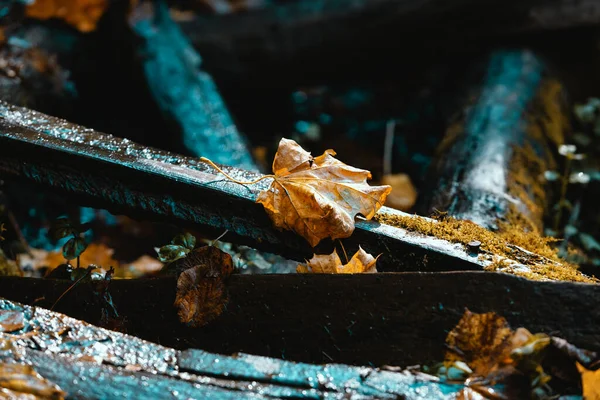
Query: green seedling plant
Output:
(179,248)
(569,152)
(76,245)
(72,249)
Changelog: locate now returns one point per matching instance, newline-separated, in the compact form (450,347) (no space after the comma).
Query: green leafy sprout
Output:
(76,245)
(180,246)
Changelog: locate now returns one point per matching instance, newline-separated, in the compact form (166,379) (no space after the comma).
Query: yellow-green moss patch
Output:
(544,264)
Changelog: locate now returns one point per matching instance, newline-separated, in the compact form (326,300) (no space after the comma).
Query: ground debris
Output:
(23,382)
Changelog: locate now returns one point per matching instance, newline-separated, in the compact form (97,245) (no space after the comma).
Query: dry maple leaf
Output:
(495,353)
(590,383)
(331,264)
(480,340)
(317,197)
(201,292)
(82,14)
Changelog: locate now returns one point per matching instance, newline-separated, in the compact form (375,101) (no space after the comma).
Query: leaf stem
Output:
(344,250)
(388,147)
(206,160)
(71,287)
(220,237)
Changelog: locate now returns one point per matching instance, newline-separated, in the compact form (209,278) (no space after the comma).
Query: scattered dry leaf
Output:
(497,354)
(144,265)
(404,195)
(480,340)
(590,382)
(11,320)
(469,394)
(82,14)
(8,267)
(331,264)
(23,379)
(201,292)
(318,197)
(96,254)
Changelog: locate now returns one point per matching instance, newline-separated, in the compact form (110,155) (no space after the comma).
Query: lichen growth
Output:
(544,263)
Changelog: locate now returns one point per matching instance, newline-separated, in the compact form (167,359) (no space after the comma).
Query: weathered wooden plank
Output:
(334,33)
(107,172)
(490,165)
(377,319)
(91,362)
(186,94)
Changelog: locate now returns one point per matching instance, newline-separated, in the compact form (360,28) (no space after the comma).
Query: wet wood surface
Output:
(123,177)
(86,361)
(262,41)
(375,319)
(490,165)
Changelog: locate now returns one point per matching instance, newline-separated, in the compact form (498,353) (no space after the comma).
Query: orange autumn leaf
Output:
(331,264)
(480,340)
(590,383)
(82,14)
(404,195)
(494,353)
(96,253)
(318,197)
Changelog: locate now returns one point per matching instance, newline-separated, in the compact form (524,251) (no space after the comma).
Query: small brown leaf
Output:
(23,379)
(361,262)
(201,292)
(11,320)
(318,197)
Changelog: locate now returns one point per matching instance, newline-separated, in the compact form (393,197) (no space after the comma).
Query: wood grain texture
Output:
(374,319)
(103,171)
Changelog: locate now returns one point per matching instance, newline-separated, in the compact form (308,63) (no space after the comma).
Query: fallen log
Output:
(185,94)
(266,41)
(377,319)
(90,362)
(490,165)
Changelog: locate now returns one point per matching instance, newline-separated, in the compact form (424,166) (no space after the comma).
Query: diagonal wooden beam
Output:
(116,174)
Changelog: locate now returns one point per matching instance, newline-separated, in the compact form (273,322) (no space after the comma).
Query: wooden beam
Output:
(90,362)
(103,171)
(378,319)
(184,92)
(337,32)
(490,165)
